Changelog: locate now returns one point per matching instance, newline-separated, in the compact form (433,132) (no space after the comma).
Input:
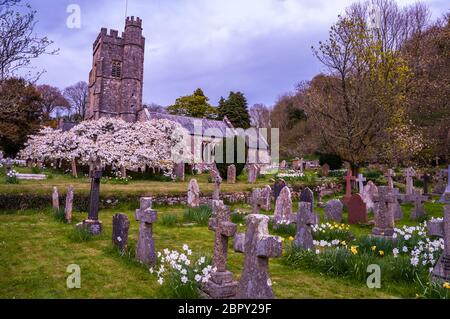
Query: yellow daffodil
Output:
(446,285)
(291,238)
(381,253)
(343,243)
(374,248)
(354,250)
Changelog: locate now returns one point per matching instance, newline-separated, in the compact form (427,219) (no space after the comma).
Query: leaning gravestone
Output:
(283,207)
(305,218)
(221,284)
(441,228)
(69,204)
(277,187)
(231,174)
(418,210)
(146,216)
(193,194)
(258,246)
(333,210)
(121,224)
(384,216)
(357,210)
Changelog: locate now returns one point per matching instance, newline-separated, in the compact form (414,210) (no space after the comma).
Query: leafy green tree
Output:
(195,105)
(235,108)
(20,113)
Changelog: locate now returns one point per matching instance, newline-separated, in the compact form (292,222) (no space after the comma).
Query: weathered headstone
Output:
(439,187)
(370,190)
(305,218)
(231,174)
(69,204)
(307,195)
(146,216)
(55,199)
(398,212)
(266,198)
(384,215)
(217,179)
(348,186)
(252,170)
(283,207)
(426,178)
(193,194)
(389,176)
(445,198)
(221,284)
(283,164)
(333,210)
(409,174)
(297,164)
(121,224)
(418,210)
(325,169)
(277,187)
(441,228)
(357,210)
(258,246)
(179,171)
(360,180)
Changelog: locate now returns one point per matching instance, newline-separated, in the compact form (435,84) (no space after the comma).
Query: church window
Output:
(116,69)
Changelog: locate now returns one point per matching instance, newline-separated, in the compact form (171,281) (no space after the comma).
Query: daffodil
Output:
(291,238)
(374,248)
(446,285)
(381,253)
(354,250)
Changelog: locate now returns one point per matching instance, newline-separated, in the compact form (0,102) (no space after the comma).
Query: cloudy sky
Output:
(259,47)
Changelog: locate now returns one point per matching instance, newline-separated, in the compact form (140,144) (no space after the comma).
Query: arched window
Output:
(116,69)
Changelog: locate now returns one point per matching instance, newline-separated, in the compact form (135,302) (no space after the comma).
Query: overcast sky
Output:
(259,47)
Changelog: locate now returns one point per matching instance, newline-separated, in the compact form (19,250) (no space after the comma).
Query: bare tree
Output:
(153,107)
(260,116)
(52,100)
(18,42)
(77,96)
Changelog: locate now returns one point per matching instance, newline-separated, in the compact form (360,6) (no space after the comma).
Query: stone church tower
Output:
(116,78)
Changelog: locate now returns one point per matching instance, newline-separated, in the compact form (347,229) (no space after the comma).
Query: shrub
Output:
(35,169)
(238,216)
(169,220)
(199,215)
(59,215)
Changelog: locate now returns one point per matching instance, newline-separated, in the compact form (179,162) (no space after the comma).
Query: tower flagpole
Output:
(126,8)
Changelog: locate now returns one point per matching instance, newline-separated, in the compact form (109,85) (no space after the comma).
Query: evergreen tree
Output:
(235,108)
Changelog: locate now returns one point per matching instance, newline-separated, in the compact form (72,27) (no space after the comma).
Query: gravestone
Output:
(384,216)
(283,164)
(389,177)
(418,210)
(305,218)
(69,204)
(55,199)
(360,180)
(258,246)
(325,169)
(217,181)
(348,186)
(221,284)
(121,224)
(398,213)
(441,228)
(146,216)
(357,210)
(445,198)
(297,164)
(193,194)
(255,200)
(231,174)
(93,224)
(277,187)
(8,166)
(370,190)
(333,210)
(409,174)
(179,171)
(426,178)
(283,207)
(439,187)
(266,198)
(252,173)
(307,195)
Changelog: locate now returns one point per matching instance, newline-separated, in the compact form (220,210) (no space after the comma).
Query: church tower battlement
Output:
(116,78)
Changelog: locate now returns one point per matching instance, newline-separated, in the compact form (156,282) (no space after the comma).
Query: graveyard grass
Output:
(36,248)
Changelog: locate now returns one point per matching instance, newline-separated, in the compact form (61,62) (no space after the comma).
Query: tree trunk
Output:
(74,168)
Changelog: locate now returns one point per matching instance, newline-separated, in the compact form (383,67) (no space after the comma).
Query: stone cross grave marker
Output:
(231,174)
(357,210)
(283,208)
(221,284)
(193,194)
(418,210)
(258,246)
(121,225)
(389,176)
(277,187)
(384,216)
(217,181)
(305,218)
(360,180)
(348,185)
(409,174)
(146,216)
(69,204)
(333,210)
(441,228)
(55,199)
